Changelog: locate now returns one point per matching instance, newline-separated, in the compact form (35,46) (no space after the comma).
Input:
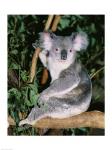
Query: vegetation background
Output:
(22,96)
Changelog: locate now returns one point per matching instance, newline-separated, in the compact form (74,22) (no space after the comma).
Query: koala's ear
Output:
(46,39)
(80,41)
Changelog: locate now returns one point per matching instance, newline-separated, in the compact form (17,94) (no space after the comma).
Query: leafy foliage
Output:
(22,32)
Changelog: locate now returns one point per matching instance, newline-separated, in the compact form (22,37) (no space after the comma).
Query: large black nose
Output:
(63,54)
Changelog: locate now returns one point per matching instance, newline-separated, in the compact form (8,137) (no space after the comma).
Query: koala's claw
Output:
(22,122)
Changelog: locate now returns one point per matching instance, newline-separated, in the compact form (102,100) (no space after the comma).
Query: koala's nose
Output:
(63,54)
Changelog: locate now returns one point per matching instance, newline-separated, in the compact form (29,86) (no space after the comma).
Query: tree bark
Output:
(34,63)
(93,119)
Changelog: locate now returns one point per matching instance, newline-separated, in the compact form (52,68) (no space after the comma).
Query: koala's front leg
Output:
(59,87)
(43,98)
(35,115)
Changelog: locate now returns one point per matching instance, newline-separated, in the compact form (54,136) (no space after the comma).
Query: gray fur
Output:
(69,93)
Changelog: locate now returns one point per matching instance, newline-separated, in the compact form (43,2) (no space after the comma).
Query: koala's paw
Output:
(25,121)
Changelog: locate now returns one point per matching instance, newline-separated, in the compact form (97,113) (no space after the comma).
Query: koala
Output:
(70,89)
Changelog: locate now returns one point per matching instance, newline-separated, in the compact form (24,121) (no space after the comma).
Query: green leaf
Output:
(13,91)
(33,87)
(93,41)
(20,129)
(14,66)
(24,75)
(83,129)
(93,29)
(28,103)
(33,97)
(15,52)
(64,23)
(80,17)
(21,28)
(79,28)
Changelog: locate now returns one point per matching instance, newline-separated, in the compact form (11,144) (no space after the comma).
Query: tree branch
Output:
(34,63)
(93,119)
(53,29)
(44,76)
(48,23)
(36,55)
(55,23)
(37,50)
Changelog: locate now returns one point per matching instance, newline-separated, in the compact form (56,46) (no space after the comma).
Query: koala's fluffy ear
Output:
(46,40)
(80,41)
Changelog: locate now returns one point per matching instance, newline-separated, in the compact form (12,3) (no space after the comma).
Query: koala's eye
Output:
(56,49)
(70,50)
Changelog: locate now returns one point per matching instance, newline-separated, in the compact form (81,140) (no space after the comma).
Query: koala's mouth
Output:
(62,61)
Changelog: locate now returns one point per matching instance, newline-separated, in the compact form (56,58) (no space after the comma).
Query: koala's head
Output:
(63,48)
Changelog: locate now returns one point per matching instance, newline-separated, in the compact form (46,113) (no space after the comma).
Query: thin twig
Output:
(55,23)
(48,23)
(36,53)
(93,75)
(34,63)
(44,76)
(53,28)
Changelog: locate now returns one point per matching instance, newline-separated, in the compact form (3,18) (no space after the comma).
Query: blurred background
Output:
(22,96)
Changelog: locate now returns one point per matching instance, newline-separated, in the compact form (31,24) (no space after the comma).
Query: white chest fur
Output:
(56,67)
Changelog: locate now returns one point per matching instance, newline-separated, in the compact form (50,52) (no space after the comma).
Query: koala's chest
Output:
(55,72)
(55,69)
